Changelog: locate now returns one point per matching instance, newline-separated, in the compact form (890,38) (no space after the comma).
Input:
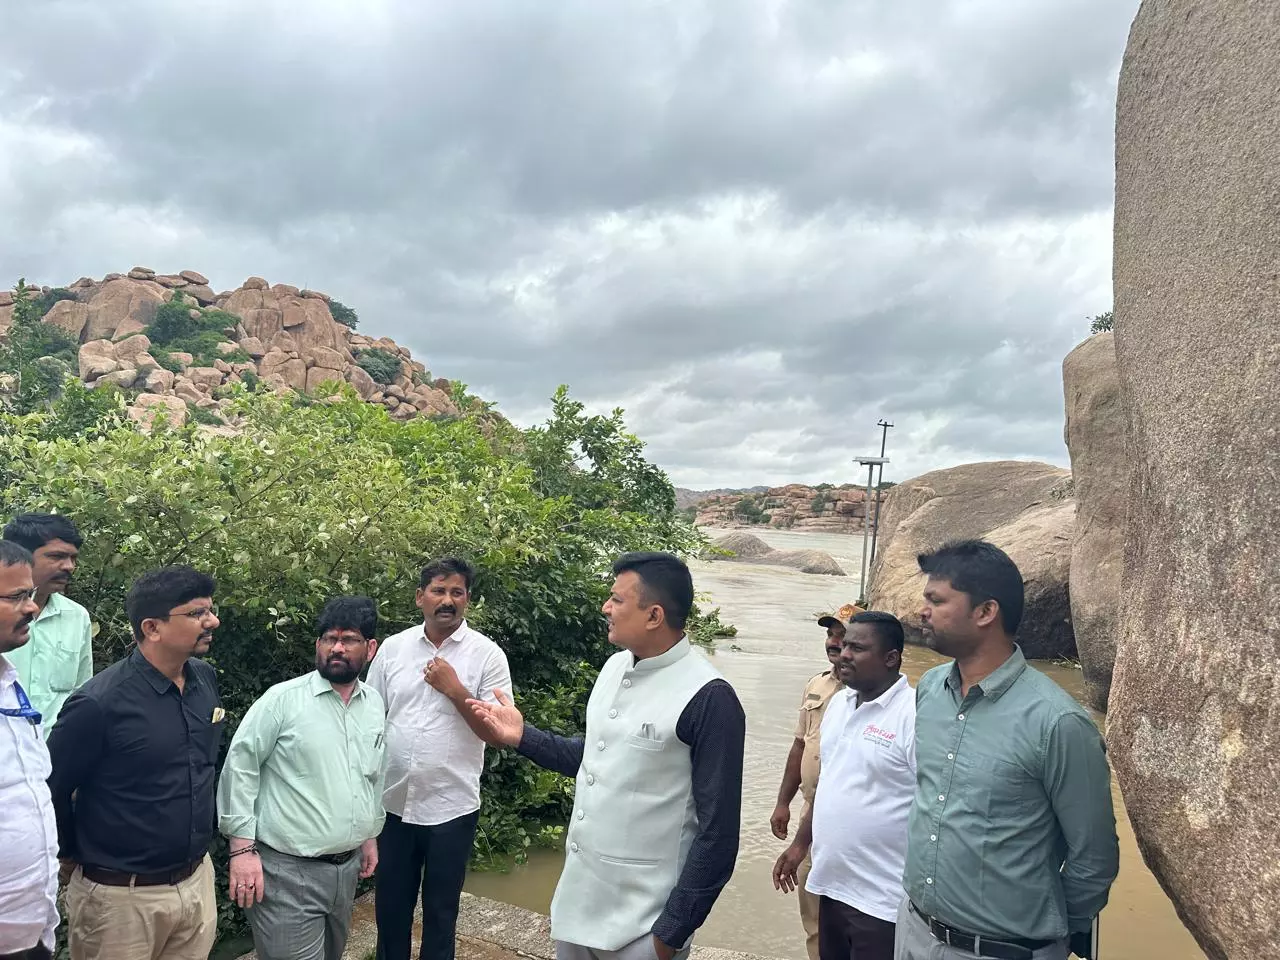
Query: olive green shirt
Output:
(57,658)
(304,771)
(1012,832)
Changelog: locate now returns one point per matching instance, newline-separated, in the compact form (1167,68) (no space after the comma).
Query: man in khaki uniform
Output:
(801,772)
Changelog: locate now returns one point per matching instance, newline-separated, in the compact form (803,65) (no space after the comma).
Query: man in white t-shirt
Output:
(858,824)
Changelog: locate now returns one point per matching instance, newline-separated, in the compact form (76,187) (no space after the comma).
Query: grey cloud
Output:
(758,228)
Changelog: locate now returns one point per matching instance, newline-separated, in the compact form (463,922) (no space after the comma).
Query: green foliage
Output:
(344,314)
(886,485)
(44,303)
(202,415)
(175,330)
(317,499)
(1103,321)
(819,502)
(705,628)
(421,379)
(165,360)
(37,356)
(748,510)
(382,365)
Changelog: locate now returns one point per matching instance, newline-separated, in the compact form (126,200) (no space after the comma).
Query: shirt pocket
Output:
(64,666)
(370,750)
(998,789)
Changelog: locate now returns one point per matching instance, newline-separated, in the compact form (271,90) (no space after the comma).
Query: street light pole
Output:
(870,463)
(885,426)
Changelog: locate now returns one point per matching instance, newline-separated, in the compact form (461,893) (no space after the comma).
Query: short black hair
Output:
(664,580)
(34,530)
(888,628)
(984,572)
(155,593)
(15,555)
(349,613)
(447,567)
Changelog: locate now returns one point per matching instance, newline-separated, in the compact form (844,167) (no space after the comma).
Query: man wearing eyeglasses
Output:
(801,771)
(300,797)
(28,836)
(138,746)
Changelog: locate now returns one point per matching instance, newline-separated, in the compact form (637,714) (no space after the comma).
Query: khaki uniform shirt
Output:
(817,694)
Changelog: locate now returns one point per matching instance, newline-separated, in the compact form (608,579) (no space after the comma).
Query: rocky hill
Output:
(174,344)
(823,509)
(686,498)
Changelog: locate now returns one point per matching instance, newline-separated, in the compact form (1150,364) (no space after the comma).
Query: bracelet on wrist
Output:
(251,848)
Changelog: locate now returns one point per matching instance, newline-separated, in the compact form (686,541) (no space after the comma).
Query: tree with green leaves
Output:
(37,357)
(1103,321)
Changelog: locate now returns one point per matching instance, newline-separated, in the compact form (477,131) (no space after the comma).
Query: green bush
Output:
(38,356)
(174,329)
(319,499)
(201,415)
(343,314)
(382,365)
(44,303)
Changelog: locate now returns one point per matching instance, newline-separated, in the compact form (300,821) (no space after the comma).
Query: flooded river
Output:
(778,648)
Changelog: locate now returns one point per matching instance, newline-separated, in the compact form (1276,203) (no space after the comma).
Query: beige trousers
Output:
(808,909)
(177,922)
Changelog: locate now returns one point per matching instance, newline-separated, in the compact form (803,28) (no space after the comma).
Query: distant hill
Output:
(686,498)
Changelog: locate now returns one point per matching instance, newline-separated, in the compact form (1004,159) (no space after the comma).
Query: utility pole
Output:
(885,426)
(870,463)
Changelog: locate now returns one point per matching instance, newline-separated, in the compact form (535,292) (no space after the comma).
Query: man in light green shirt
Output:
(300,797)
(58,659)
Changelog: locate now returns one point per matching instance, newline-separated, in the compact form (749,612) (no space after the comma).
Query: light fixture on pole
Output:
(885,426)
(870,463)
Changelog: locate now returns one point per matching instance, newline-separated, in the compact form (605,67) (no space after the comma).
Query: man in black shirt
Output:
(138,746)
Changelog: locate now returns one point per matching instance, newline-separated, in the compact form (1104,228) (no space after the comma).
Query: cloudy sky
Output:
(757,226)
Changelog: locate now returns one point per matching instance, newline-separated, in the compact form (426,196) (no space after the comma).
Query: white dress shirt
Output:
(28,833)
(865,790)
(433,757)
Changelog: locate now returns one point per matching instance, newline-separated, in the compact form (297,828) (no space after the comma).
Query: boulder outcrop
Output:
(795,506)
(1194,721)
(1023,507)
(1100,470)
(751,549)
(288,334)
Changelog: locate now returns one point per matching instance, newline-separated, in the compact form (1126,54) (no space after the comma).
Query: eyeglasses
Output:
(198,614)
(18,599)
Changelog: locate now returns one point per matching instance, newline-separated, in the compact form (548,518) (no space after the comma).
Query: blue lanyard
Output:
(25,710)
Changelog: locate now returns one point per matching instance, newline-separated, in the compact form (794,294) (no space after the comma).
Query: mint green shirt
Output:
(1012,833)
(57,658)
(304,771)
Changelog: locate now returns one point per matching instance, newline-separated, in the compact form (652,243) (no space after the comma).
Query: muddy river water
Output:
(778,648)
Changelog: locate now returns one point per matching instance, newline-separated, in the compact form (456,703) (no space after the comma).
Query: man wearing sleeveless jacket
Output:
(654,832)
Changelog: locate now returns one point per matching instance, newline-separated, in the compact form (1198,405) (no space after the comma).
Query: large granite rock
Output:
(751,549)
(1194,721)
(1100,468)
(986,501)
(69,316)
(122,306)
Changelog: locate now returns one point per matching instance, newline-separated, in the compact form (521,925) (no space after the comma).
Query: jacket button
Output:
(573,847)
(600,745)
(590,780)
(626,683)
(613,714)
(581,814)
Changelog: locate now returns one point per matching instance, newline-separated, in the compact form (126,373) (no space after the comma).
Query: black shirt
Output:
(141,759)
(714,728)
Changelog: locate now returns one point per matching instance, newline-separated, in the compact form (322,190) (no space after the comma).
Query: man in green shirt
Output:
(300,797)
(1012,845)
(59,657)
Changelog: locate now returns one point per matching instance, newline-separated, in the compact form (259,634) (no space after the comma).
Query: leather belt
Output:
(117,878)
(338,859)
(978,945)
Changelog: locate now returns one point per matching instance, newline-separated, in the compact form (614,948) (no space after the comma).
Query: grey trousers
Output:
(639,949)
(914,942)
(305,913)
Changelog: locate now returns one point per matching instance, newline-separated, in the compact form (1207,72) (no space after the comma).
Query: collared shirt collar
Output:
(884,699)
(456,637)
(8,673)
(55,605)
(319,685)
(994,684)
(678,651)
(158,681)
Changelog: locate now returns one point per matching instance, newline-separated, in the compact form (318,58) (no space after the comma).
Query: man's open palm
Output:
(503,719)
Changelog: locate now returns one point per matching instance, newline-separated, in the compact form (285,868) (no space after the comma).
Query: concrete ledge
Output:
(489,930)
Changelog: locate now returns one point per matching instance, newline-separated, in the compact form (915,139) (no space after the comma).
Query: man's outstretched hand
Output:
(503,719)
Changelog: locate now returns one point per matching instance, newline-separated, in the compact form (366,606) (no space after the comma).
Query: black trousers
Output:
(845,933)
(38,952)
(432,860)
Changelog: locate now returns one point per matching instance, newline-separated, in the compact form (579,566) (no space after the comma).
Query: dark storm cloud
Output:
(758,228)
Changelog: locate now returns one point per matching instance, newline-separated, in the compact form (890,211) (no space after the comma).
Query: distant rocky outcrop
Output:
(1095,435)
(279,334)
(751,549)
(686,498)
(1194,724)
(1025,508)
(823,509)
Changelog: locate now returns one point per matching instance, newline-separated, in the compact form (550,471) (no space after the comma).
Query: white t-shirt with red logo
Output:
(865,788)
